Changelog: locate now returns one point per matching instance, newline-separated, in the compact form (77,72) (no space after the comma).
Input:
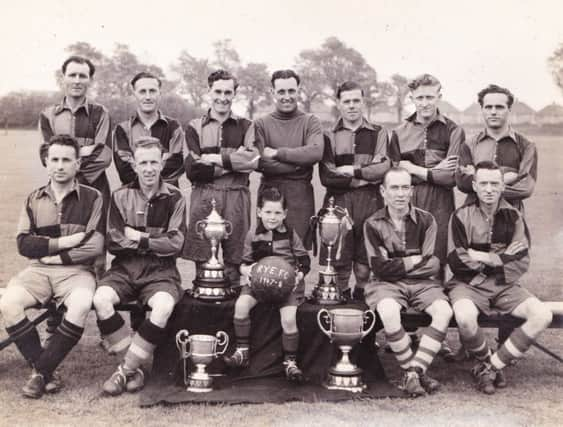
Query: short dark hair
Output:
(79,60)
(144,75)
(65,140)
(284,74)
(394,169)
(270,194)
(348,86)
(147,142)
(221,75)
(424,80)
(486,165)
(492,88)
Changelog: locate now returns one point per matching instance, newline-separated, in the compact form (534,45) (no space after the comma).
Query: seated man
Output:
(61,231)
(399,242)
(488,253)
(146,228)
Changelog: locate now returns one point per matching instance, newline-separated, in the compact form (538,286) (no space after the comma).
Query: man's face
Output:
(147,95)
(351,105)
(62,163)
(148,165)
(222,93)
(272,214)
(495,110)
(285,93)
(425,99)
(488,185)
(397,190)
(76,80)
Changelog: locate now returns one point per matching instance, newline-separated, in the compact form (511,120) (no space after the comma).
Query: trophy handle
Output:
(324,314)
(228,228)
(368,313)
(182,341)
(222,340)
(199,226)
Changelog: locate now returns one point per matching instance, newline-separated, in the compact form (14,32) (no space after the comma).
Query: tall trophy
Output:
(201,350)
(210,282)
(330,225)
(345,327)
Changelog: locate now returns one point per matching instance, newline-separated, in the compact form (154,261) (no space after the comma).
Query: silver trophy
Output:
(345,327)
(201,350)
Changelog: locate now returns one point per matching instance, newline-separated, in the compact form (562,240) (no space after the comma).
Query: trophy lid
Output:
(214,216)
(330,215)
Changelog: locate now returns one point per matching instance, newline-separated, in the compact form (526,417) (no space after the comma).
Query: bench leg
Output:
(547,351)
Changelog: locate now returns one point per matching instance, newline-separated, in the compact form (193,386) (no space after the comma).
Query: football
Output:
(272,280)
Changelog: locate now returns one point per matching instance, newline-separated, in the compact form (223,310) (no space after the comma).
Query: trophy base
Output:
(198,383)
(326,292)
(351,382)
(212,293)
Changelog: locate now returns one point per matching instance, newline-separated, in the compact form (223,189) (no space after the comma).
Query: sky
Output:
(467,45)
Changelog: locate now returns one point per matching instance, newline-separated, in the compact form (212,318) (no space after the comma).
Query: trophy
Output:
(326,292)
(345,327)
(210,282)
(201,349)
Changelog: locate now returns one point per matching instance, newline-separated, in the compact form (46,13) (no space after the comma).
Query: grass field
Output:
(533,397)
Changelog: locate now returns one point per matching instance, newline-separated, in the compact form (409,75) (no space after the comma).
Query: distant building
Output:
(550,115)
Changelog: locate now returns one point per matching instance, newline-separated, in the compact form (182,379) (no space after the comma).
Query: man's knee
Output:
(288,316)
(466,314)
(79,302)
(104,299)
(538,314)
(162,304)
(389,312)
(441,312)
(361,271)
(243,305)
(13,304)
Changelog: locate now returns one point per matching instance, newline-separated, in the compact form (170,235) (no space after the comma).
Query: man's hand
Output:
(87,150)
(480,256)
(269,152)
(510,177)
(51,260)
(346,170)
(132,234)
(514,248)
(447,164)
(415,259)
(468,170)
(407,164)
(71,241)
(298,277)
(214,159)
(246,270)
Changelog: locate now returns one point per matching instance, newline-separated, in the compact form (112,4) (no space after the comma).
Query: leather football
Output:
(272,280)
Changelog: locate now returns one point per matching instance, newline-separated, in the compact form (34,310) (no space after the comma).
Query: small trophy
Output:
(201,349)
(345,327)
(210,282)
(326,292)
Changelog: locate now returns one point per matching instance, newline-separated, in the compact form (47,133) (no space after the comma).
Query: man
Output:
(488,253)
(400,242)
(290,142)
(356,156)
(498,142)
(86,121)
(146,229)
(60,230)
(221,155)
(148,120)
(429,144)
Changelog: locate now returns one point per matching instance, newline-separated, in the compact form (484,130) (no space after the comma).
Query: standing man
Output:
(221,155)
(148,121)
(488,254)
(146,229)
(60,230)
(88,123)
(356,156)
(429,144)
(400,242)
(290,142)
(498,142)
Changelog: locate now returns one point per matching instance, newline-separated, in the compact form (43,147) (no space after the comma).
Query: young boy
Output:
(272,237)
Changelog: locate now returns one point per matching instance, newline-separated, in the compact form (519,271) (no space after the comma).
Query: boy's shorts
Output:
(295,298)
(487,296)
(418,295)
(139,278)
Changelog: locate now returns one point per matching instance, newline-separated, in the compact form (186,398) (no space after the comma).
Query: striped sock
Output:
(115,333)
(513,348)
(242,331)
(26,338)
(477,345)
(63,340)
(290,343)
(400,343)
(430,344)
(143,344)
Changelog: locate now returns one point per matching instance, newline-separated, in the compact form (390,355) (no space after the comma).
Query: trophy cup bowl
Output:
(201,350)
(345,327)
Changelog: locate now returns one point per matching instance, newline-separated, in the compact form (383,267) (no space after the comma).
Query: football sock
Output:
(400,343)
(513,348)
(430,344)
(63,340)
(26,338)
